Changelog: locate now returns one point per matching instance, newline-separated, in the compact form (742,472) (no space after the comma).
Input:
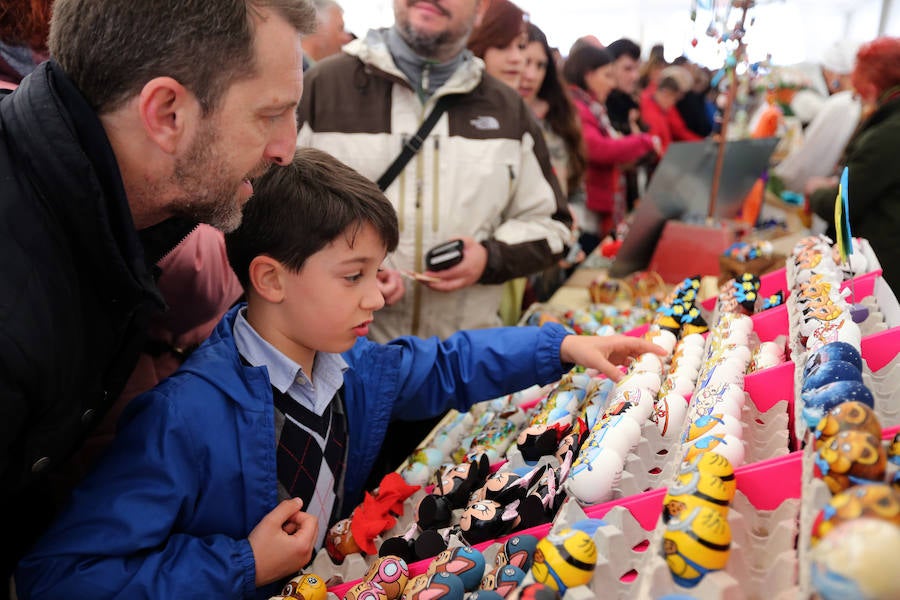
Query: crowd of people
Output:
(204,211)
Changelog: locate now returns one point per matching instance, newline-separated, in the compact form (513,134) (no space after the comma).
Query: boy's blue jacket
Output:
(167,511)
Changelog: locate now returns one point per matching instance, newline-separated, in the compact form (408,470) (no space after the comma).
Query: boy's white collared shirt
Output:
(287,376)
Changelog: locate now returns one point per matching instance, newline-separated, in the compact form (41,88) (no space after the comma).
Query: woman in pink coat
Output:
(589,72)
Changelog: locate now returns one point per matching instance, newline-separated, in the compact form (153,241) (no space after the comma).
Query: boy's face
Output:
(332,299)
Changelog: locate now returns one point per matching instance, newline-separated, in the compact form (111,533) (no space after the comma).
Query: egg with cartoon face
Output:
(391,573)
(847,416)
(873,500)
(564,559)
(307,587)
(696,544)
(465,562)
(850,458)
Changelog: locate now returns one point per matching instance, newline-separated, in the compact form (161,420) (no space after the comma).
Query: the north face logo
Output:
(485,123)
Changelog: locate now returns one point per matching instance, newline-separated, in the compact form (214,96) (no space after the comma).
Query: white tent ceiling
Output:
(791,30)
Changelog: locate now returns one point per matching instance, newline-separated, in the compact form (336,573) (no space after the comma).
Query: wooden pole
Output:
(729,108)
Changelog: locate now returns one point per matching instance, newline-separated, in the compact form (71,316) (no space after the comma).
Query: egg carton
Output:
(762,563)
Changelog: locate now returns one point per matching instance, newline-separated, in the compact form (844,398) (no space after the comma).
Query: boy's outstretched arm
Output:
(605,352)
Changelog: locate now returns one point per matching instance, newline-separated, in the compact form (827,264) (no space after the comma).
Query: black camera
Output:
(444,256)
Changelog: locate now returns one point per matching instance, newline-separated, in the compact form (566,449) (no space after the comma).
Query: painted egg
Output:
(693,339)
(465,562)
(436,586)
(663,338)
(620,433)
(875,500)
(503,579)
(535,591)
(594,475)
(695,545)
(833,351)
(850,458)
(713,464)
(692,490)
(714,424)
(727,445)
(668,414)
(857,560)
(818,401)
(643,380)
(893,452)
(830,372)
(565,559)
(308,587)
(517,551)
(847,416)
(366,590)
(391,573)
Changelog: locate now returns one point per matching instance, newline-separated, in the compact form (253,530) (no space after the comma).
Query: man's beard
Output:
(423,44)
(209,194)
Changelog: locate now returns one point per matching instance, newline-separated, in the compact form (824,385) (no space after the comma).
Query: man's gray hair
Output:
(112,48)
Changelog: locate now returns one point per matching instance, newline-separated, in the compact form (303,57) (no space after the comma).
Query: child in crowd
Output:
(186,501)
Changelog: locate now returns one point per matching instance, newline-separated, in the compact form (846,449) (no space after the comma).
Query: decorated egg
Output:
(725,398)
(850,458)
(663,338)
(564,559)
(668,414)
(339,542)
(833,351)
(483,595)
(517,551)
(366,590)
(443,585)
(642,381)
(696,544)
(391,573)
(465,562)
(875,500)
(713,464)
(503,580)
(847,416)
(620,433)
(820,400)
(693,490)
(893,452)
(486,520)
(308,587)
(857,560)
(830,372)
(594,474)
(727,445)
(714,424)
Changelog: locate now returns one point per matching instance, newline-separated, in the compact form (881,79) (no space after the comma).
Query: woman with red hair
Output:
(24,27)
(500,41)
(871,158)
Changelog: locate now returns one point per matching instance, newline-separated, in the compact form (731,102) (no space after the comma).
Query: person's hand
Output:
(816,183)
(604,352)
(283,541)
(390,282)
(466,273)
(657,145)
(634,117)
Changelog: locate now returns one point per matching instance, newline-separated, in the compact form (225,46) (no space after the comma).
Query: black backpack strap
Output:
(414,143)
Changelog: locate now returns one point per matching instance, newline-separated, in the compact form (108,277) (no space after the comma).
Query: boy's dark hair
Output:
(299,209)
(624,47)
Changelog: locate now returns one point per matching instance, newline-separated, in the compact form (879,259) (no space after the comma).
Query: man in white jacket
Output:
(482,175)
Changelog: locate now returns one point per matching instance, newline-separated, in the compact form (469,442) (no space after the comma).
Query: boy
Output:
(186,502)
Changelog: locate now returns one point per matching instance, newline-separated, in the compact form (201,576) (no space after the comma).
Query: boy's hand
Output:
(604,352)
(466,273)
(283,541)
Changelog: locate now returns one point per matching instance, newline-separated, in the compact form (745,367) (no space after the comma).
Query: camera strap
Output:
(414,144)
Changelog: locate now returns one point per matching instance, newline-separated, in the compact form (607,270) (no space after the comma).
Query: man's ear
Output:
(266,278)
(480,10)
(167,110)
